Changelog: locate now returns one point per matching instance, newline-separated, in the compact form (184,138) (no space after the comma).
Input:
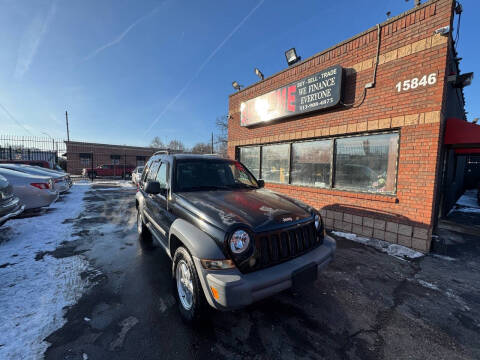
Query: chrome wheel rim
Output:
(184,285)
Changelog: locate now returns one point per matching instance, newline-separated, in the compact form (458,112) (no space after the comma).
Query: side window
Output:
(145,172)
(153,171)
(162,175)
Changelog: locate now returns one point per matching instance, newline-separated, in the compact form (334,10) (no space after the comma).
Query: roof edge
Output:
(373,28)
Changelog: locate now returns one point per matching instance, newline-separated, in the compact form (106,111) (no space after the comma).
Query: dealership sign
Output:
(314,92)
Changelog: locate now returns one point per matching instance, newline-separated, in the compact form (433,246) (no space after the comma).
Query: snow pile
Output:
(33,294)
(468,202)
(395,250)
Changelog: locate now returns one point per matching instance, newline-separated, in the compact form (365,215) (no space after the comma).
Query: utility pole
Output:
(212,142)
(68,131)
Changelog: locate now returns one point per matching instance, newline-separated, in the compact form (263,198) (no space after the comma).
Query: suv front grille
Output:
(275,247)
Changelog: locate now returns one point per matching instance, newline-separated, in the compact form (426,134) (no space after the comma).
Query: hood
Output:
(259,209)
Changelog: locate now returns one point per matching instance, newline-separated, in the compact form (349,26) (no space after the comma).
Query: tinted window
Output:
(275,163)
(311,163)
(367,163)
(212,175)
(250,157)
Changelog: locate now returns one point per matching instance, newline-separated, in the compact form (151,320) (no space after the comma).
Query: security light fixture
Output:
(417,2)
(237,86)
(259,74)
(444,31)
(460,81)
(292,57)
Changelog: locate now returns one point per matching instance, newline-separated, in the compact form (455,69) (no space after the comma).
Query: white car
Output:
(137,174)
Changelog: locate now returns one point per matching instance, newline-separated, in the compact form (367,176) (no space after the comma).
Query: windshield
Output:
(197,175)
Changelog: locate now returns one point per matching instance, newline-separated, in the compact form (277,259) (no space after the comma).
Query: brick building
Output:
(85,155)
(356,130)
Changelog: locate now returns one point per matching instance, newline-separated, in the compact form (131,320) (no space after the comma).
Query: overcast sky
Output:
(129,70)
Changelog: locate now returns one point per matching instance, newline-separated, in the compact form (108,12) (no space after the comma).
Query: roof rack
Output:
(168,152)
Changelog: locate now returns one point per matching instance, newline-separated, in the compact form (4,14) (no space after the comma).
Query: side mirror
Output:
(152,187)
(260,183)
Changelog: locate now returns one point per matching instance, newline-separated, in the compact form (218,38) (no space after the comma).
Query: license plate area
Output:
(305,275)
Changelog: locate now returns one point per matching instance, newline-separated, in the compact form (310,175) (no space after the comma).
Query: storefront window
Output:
(367,163)
(250,157)
(275,163)
(311,163)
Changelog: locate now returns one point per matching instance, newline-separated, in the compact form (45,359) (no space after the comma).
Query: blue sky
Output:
(129,70)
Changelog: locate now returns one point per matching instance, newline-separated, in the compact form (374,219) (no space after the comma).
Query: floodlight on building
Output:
(259,73)
(460,81)
(444,31)
(237,86)
(292,57)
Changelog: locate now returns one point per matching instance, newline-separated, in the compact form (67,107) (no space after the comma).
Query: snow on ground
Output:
(33,294)
(468,202)
(114,184)
(395,250)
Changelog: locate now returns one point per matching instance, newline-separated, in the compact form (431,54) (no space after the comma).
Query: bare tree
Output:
(176,145)
(221,124)
(157,143)
(202,148)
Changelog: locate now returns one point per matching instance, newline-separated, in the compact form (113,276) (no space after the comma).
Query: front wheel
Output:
(189,292)
(142,229)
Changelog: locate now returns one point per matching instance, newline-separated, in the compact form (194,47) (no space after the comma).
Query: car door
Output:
(166,216)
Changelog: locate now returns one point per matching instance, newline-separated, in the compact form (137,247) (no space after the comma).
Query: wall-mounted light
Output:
(292,57)
(460,81)
(237,86)
(259,73)
(444,31)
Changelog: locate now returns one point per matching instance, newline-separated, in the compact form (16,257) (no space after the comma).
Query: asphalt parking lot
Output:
(367,305)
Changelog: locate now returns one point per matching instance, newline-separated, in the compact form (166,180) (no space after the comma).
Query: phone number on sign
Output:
(316,103)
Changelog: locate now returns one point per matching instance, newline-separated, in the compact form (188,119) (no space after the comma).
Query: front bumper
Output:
(237,290)
(8,211)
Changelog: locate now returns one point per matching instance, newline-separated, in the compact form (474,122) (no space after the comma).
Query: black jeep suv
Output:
(231,241)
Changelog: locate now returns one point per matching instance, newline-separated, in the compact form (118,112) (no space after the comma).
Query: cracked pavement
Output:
(365,305)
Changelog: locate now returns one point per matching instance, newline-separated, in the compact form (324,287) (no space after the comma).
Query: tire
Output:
(144,233)
(189,292)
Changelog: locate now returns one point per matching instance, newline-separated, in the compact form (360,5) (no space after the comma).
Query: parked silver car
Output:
(34,191)
(61,182)
(137,174)
(10,205)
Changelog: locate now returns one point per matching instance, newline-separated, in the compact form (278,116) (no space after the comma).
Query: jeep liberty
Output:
(231,241)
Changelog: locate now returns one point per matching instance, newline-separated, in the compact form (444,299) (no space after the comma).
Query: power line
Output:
(13,118)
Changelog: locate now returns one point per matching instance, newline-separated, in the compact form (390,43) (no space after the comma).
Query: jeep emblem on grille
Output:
(287,219)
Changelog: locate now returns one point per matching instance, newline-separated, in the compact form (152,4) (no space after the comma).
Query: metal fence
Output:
(76,157)
(32,148)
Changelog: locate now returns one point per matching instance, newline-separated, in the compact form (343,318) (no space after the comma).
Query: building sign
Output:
(314,92)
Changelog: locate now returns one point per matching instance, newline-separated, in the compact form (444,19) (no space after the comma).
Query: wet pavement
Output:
(366,305)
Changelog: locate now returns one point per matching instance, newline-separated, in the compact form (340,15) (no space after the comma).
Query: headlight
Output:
(217,264)
(318,222)
(239,241)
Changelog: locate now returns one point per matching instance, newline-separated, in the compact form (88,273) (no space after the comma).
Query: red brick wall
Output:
(408,49)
